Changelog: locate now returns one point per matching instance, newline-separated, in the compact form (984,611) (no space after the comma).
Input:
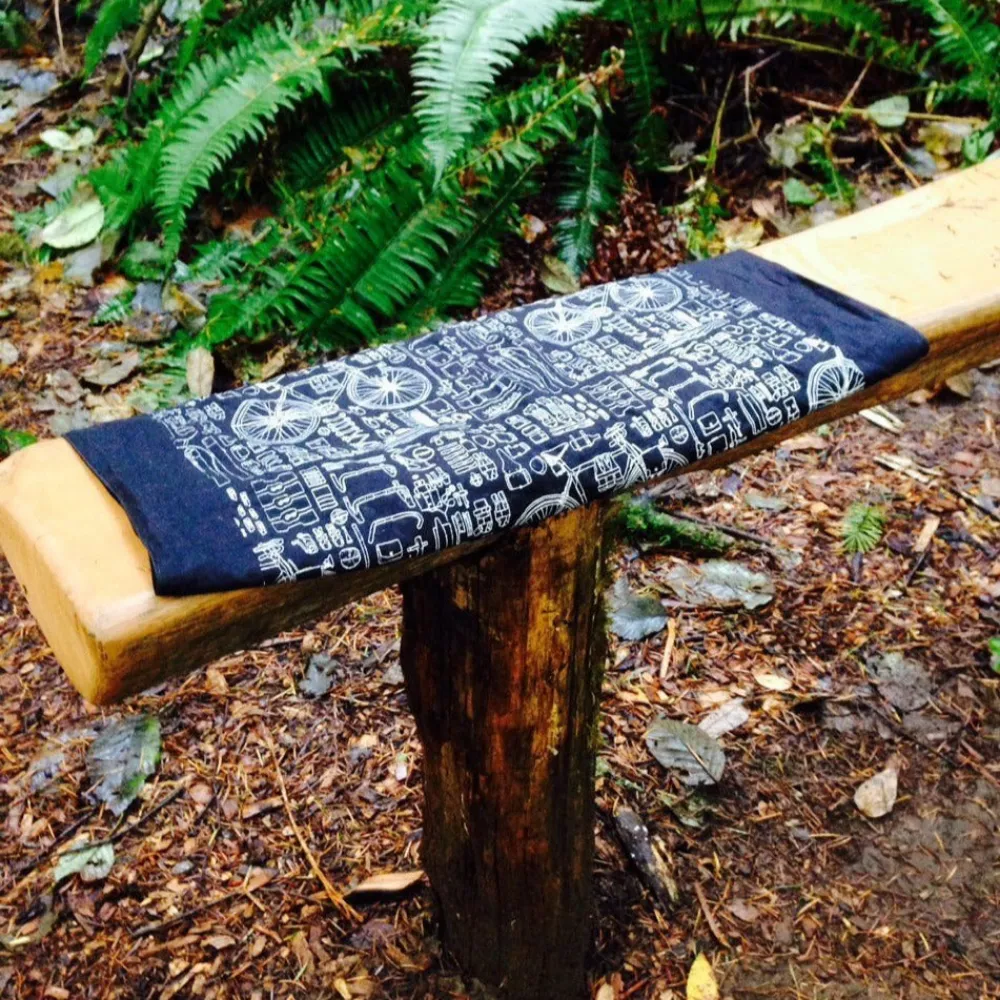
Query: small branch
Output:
(634,836)
(137,47)
(332,894)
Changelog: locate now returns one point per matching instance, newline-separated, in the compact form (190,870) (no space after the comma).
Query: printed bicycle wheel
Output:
(833,380)
(386,388)
(278,420)
(563,324)
(647,293)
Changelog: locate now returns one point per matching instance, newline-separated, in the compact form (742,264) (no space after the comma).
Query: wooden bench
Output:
(503,641)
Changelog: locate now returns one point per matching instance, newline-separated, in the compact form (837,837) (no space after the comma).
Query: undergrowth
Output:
(400,139)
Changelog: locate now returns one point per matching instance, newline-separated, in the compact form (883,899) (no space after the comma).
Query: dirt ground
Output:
(788,888)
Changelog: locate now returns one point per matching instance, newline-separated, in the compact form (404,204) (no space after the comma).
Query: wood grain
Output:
(930,258)
(502,654)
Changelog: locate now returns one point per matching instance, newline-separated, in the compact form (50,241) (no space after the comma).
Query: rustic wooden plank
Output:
(930,258)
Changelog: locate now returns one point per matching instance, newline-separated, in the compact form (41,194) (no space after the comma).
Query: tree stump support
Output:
(502,654)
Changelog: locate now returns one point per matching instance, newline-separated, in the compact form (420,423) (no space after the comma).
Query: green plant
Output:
(862,527)
(993,646)
(11,441)
(642,523)
(396,141)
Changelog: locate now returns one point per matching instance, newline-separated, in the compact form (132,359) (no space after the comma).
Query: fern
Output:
(640,56)
(967,38)
(287,67)
(467,43)
(718,15)
(862,527)
(590,193)
(458,281)
(112,19)
(330,137)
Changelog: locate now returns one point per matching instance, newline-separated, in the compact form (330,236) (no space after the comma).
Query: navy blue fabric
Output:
(413,447)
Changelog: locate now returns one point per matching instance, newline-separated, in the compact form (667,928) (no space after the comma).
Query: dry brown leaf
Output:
(215,681)
(200,367)
(773,682)
(387,883)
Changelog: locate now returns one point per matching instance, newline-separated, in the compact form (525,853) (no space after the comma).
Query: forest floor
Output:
(788,888)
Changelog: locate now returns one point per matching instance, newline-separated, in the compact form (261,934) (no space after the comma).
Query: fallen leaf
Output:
(91,862)
(903,683)
(943,139)
(319,676)
(720,583)
(605,992)
(120,759)
(76,225)
(725,718)
(890,112)
(797,192)
(786,144)
(806,442)
(740,234)
(56,138)
(386,884)
(701,983)
(961,385)
(632,616)
(876,796)
(200,367)
(8,354)
(558,277)
(220,941)
(201,794)
(680,746)
(742,910)
(111,370)
(215,681)
(773,682)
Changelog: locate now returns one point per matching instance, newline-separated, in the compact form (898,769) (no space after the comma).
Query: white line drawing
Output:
(411,447)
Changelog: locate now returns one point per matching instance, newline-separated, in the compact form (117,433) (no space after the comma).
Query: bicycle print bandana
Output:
(412,447)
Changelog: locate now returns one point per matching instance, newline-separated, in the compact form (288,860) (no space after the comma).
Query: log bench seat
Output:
(471,466)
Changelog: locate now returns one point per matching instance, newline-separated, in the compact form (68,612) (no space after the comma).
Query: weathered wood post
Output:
(502,654)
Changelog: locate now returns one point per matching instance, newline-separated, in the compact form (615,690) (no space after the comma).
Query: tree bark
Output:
(502,654)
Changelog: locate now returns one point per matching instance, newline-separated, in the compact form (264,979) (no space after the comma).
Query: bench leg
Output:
(502,654)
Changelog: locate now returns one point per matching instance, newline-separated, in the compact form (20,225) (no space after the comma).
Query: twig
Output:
(725,529)
(634,836)
(846,102)
(910,175)
(916,115)
(668,649)
(59,33)
(162,925)
(713,924)
(332,894)
(138,45)
(976,502)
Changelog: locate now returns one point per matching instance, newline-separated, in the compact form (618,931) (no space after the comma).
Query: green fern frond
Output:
(364,117)
(458,280)
(112,19)
(640,54)
(862,527)
(590,193)
(289,64)
(467,44)
(967,38)
(519,126)
(719,15)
